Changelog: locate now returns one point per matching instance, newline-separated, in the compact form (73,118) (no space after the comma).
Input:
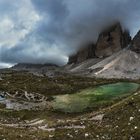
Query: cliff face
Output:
(109,41)
(86,53)
(136,43)
(72,59)
(83,54)
(126,38)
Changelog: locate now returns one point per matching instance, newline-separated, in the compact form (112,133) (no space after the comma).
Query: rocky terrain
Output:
(115,55)
(123,65)
(31,118)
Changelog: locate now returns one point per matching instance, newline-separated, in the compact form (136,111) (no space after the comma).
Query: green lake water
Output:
(93,97)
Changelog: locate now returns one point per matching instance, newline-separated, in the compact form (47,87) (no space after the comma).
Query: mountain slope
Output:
(124,64)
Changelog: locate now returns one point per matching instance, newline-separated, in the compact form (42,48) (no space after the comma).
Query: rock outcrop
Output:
(112,40)
(126,38)
(83,54)
(136,43)
(72,59)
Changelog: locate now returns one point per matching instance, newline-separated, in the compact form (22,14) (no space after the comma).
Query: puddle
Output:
(77,102)
(92,97)
(2,98)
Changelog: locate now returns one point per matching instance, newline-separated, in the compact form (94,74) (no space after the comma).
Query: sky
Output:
(48,31)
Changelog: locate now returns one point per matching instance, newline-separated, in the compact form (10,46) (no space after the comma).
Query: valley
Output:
(75,113)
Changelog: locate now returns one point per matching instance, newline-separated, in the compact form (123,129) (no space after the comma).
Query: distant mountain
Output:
(26,66)
(47,69)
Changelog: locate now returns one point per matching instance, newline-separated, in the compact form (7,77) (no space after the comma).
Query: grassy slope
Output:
(17,81)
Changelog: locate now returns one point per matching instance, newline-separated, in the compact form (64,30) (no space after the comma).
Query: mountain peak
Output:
(112,39)
(136,43)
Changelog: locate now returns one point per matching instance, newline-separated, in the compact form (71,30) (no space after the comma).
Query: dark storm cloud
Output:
(77,21)
(61,26)
(21,54)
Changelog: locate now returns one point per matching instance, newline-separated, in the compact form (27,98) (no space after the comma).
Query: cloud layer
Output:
(48,31)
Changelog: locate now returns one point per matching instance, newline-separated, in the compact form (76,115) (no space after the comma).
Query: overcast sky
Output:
(48,31)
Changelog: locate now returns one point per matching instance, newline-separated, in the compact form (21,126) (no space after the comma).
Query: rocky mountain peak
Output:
(86,52)
(110,40)
(136,43)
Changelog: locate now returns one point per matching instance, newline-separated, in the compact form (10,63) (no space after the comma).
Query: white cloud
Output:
(16,24)
(5,65)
